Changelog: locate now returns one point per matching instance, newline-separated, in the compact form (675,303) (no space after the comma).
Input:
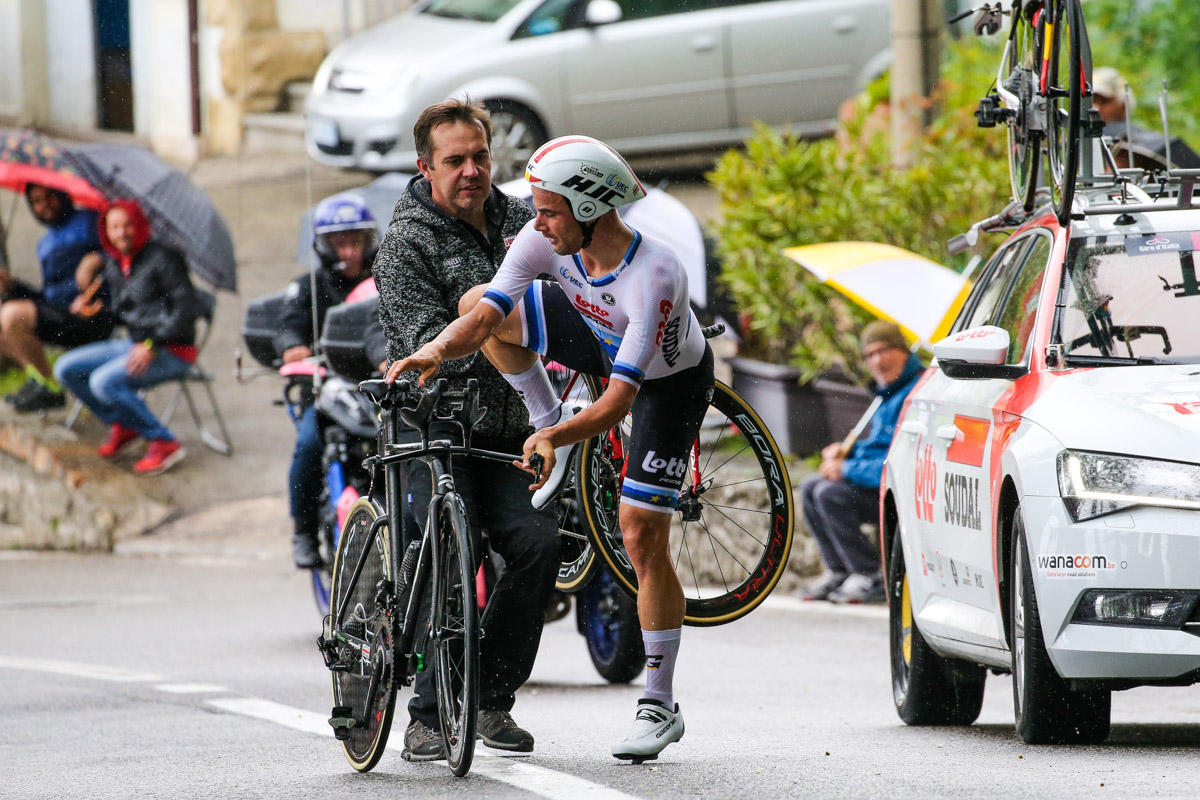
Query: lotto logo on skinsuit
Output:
(593,311)
(508,240)
(926,482)
(673,468)
(664,308)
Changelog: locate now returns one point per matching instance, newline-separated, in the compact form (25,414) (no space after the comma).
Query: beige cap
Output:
(882,330)
(1108,82)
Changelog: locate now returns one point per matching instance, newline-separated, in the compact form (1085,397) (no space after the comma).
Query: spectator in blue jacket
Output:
(844,495)
(31,317)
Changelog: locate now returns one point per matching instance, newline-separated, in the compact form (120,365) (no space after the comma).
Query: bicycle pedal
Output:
(341,722)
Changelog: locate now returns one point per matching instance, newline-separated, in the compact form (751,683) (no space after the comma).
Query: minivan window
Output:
(551,17)
(477,10)
(1020,309)
(987,295)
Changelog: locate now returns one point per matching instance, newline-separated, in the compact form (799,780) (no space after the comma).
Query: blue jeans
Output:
(304,478)
(96,374)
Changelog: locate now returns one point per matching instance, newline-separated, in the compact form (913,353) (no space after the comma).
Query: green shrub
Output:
(781,191)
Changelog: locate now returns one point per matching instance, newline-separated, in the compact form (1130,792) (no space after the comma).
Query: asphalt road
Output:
(185,668)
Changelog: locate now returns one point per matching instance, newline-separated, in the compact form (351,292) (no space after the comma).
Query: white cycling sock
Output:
(661,649)
(534,387)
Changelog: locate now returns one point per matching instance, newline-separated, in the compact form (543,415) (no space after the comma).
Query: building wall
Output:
(162,83)
(23,87)
(71,64)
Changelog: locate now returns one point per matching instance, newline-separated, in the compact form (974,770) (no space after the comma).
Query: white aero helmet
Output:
(590,174)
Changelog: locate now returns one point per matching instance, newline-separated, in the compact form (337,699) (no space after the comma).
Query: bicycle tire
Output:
(455,635)
(1024,138)
(322,575)
(1063,125)
(368,738)
(736,581)
(578,558)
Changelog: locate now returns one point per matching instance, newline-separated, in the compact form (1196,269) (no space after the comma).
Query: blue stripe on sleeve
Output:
(501,301)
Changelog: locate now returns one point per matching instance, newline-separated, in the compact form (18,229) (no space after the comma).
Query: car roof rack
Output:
(1011,217)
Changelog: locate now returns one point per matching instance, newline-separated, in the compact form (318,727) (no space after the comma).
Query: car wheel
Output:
(928,689)
(516,134)
(1047,710)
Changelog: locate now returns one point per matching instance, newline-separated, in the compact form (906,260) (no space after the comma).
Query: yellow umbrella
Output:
(921,296)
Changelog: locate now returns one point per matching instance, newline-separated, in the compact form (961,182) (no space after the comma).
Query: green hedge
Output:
(781,191)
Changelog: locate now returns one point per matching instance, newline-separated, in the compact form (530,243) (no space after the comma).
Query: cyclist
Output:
(617,307)
(346,240)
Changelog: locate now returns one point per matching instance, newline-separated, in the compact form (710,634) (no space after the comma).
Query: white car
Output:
(1041,499)
(642,75)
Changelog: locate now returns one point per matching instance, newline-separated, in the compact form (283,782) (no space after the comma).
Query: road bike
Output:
(1042,94)
(731,533)
(376,639)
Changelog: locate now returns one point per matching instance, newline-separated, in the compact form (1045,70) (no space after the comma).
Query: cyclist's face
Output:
(459,170)
(556,222)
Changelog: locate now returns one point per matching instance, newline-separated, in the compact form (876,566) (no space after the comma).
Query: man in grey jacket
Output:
(449,232)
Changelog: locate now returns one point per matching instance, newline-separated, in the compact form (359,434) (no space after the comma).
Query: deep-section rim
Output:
(455,561)
(366,506)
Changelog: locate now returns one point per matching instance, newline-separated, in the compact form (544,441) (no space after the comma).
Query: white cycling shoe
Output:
(563,457)
(654,727)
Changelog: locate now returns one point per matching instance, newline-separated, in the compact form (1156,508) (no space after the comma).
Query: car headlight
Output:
(1094,484)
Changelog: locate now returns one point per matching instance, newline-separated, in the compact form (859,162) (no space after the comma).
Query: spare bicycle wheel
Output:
(1063,88)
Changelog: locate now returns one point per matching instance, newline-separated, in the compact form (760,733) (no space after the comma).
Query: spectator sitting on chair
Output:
(844,495)
(154,299)
(346,240)
(30,317)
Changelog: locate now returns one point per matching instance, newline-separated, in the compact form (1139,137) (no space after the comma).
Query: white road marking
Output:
(519,774)
(78,670)
(294,718)
(191,688)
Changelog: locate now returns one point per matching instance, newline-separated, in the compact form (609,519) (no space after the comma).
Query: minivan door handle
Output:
(913,427)
(948,432)
(845,24)
(703,43)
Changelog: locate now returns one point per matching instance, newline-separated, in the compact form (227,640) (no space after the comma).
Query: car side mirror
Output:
(977,354)
(602,12)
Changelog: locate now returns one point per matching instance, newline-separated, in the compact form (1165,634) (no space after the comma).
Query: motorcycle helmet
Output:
(344,212)
(593,178)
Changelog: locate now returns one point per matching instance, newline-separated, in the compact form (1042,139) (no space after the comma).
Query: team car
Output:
(1040,508)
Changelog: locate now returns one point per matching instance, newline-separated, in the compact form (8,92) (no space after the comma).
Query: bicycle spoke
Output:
(679,552)
(717,539)
(739,508)
(736,483)
(731,458)
(716,558)
(692,564)
(735,522)
(715,446)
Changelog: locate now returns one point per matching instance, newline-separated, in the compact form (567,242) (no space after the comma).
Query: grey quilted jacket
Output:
(426,263)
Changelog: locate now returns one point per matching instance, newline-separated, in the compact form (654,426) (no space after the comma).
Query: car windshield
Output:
(1133,297)
(477,10)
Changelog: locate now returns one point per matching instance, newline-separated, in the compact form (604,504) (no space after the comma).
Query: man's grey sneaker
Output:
(822,585)
(423,743)
(860,588)
(498,730)
(563,456)
(654,727)
(38,398)
(305,551)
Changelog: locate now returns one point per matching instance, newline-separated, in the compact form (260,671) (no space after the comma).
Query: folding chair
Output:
(222,444)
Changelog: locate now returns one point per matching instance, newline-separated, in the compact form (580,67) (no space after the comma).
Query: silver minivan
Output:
(643,75)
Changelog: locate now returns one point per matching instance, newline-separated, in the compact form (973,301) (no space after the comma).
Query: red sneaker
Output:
(117,439)
(161,455)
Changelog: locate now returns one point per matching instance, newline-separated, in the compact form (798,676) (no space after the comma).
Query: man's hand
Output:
(89,266)
(139,359)
(831,469)
(6,280)
(297,353)
(426,361)
(541,444)
(831,451)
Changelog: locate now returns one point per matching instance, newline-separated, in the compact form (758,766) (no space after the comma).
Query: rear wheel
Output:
(455,636)
(1047,710)
(1024,130)
(367,688)
(927,688)
(732,531)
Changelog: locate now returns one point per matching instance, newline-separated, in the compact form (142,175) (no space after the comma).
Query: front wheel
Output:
(608,620)
(366,686)
(1047,710)
(732,531)
(454,635)
(927,689)
(1065,81)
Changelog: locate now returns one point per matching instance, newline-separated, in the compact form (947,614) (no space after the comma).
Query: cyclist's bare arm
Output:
(459,339)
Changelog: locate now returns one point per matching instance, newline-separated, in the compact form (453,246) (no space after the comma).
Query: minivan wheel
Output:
(927,688)
(516,134)
(1047,710)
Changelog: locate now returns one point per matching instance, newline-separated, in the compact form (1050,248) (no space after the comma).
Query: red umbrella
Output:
(27,157)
